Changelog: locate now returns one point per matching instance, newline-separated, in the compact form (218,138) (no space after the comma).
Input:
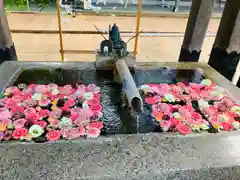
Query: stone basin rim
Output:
(116,137)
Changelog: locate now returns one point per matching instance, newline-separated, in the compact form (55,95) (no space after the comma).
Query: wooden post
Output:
(226,48)
(7,49)
(200,14)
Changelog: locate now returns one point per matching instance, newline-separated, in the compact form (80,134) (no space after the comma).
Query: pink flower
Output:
(32,117)
(29,111)
(183,129)
(20,132)
(89,112)
(93,132)
(93,88)
(10,103)
(196,116)
(165,125)
(40,88)
(43,124)
(53,135)
(71,133)
(44,102)
(96,107)
(69,103)
(65,91)
(52,86)
(150,100)
(6,121)
(17,109)
(81,120)
(97,124)
(15,90)
(19,123)
(94,101)
(174,122)
(44,113)
(56,113)
(5,113)
(196,86)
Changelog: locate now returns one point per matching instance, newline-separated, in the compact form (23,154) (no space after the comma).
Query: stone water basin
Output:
(116,119)
(150,156)
(187,106)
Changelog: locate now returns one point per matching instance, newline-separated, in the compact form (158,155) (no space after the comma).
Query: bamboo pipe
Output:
(132,93)
(137,26)
(60,30)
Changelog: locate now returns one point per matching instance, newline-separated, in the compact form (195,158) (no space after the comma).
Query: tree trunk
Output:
(7,49)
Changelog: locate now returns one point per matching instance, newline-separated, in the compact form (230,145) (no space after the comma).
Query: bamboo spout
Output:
(132,93)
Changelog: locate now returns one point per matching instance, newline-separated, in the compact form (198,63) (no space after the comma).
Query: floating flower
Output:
(145,88)
(53,135)
(36,130)
(236,125)
(206,82)
(169,98)
(96,107)
(176,115)
(66,122)
(165,125)
(94,101)
(41,89)
(3,127)
(174,122)
(183,129)
(43,113)
(69,103)
(27,137)
(44,102)
(56,113)
(93,132)
(157,115)
(43,124)
(150,100)
(227,126)
(93,88)
(5,113)
(71,133)
(8,135)
(19,123)
(20,132)
(96,124)
(88,95)
(37,96)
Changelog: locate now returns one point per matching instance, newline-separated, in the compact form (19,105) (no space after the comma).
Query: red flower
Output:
(96,95)
(69,103)
(53,135)
(196,115)
(19,133)
(96,107)
(150,100)
(93,132)
(174,122)
(94,101)
(97,124)
(43,124)
(183,129)
(33,116)
(17,109)
(227,126)
(44,113)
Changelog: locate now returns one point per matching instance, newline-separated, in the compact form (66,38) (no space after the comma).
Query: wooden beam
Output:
(225,53)
(7,49)
(200,14)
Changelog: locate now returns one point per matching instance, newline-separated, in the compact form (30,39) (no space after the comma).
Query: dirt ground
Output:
(42,47)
